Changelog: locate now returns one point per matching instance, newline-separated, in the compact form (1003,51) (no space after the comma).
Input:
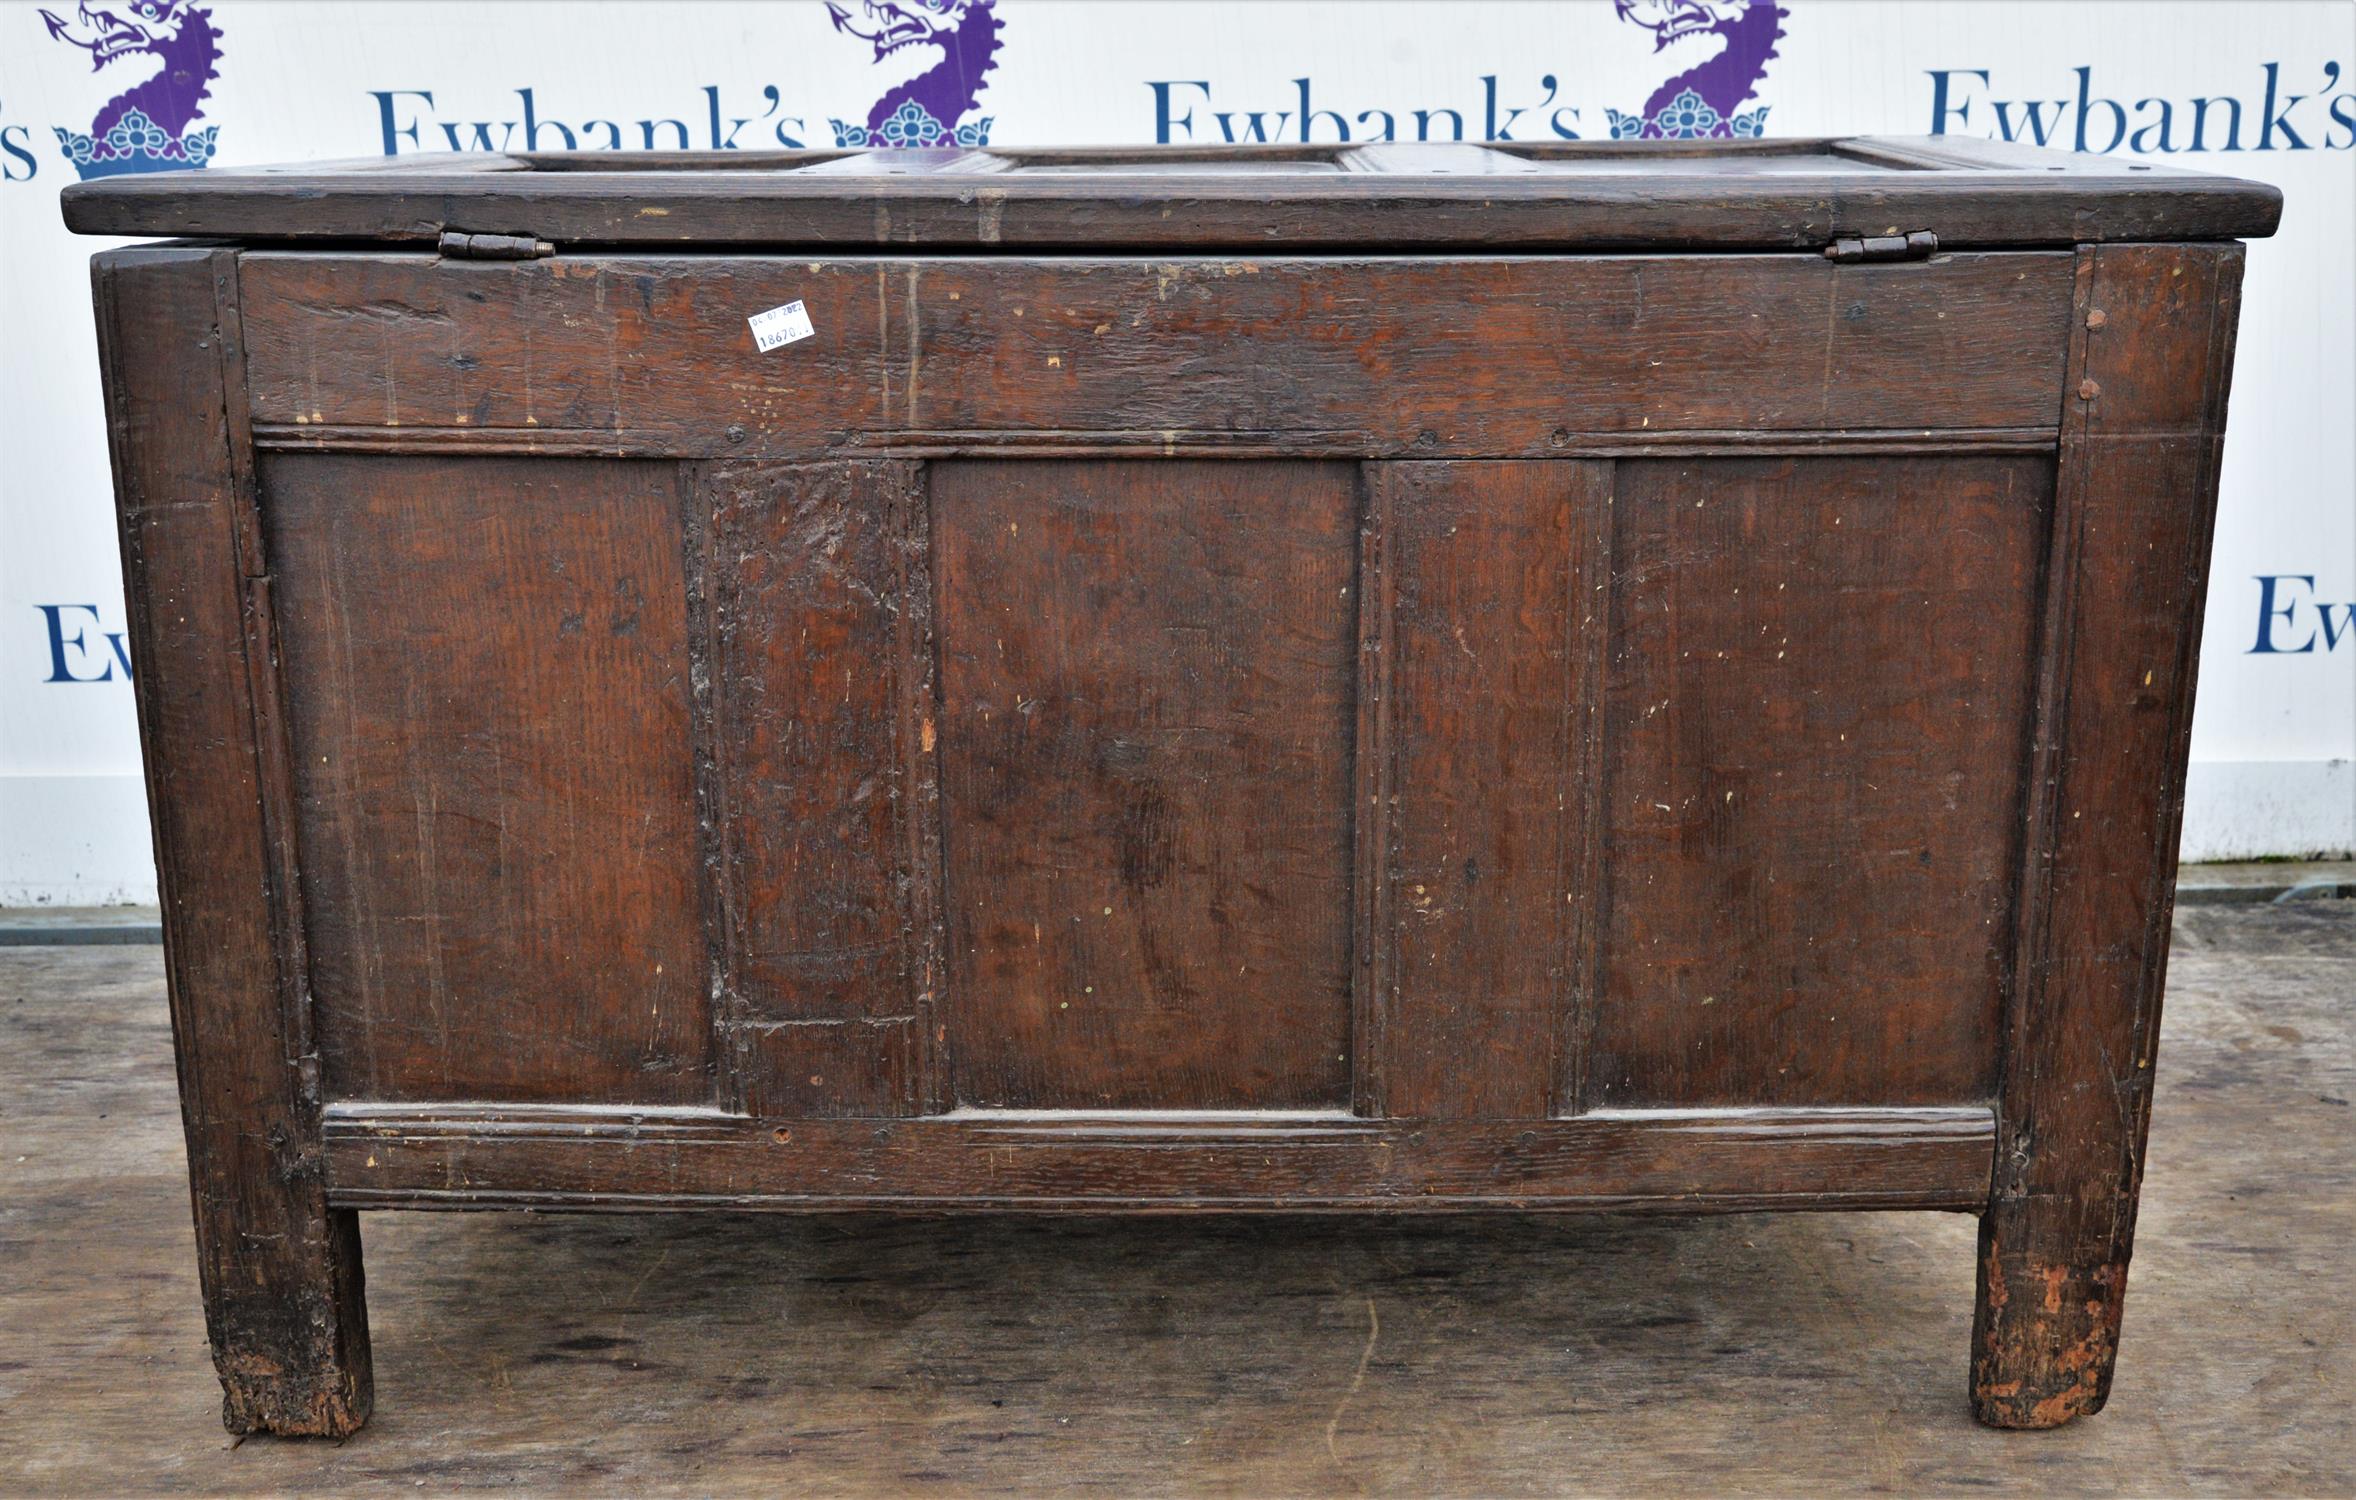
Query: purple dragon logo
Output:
(148,127)
(929,109)
(1706,99)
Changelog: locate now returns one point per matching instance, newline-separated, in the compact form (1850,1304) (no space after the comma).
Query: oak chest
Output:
(1387,679)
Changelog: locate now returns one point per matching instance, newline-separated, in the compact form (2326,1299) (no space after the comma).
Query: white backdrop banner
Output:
(2257,88)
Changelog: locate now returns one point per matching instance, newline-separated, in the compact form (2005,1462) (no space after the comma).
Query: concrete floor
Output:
(2265,880)
(1784,1354)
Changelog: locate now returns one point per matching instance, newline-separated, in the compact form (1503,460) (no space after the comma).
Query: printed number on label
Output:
(779,326)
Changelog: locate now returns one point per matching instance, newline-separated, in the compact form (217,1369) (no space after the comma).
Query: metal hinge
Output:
(1919,245)
(457,244)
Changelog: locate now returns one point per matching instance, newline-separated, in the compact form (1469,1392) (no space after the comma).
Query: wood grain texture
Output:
(1486,585)
(1372,356)
(2152,363)
(284,1310)
(1158,1161)
(1592,195)
(823,697)
(1817,679)
(488,686)
(1146,673)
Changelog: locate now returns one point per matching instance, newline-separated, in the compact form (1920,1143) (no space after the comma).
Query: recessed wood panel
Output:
(1817,682)
(820,606)
(1145,736)
(1477,803)
(488,689)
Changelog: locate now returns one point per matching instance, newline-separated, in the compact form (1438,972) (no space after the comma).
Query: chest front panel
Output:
(1485,689)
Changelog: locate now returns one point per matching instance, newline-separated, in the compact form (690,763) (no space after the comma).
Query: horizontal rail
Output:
(561,442)
(1690,1160)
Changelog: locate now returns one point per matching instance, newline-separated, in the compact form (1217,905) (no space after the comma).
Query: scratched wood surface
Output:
(1762,1355)
(1481,642)
(1817,682)
(1146,673)
(821,787)
(2129,572)
(279,1269)
(495,791)
(1417,357)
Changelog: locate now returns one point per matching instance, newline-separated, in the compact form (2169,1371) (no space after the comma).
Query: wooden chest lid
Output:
(1587,195)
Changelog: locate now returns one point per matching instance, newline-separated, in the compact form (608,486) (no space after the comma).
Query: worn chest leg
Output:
(2126,577)
(280,1269)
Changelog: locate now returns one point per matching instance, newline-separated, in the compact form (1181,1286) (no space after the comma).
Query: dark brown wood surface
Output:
(280,1269)
(2151,362)
(1483,622)
(1146,670)
(1391,356)
(1363,732)
(1748,195)
(1158,1161)
(820,693)
(1819,672)
(494,788)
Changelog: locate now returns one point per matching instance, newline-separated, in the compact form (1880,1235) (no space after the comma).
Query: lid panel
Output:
(1575,195)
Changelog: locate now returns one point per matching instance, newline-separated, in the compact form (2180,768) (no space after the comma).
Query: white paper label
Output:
(779,326)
